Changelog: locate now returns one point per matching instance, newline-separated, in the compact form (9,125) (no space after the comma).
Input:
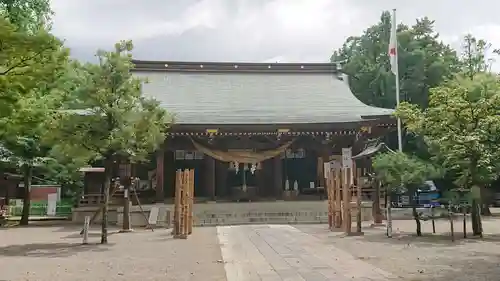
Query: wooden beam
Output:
(278,177)
(209,171)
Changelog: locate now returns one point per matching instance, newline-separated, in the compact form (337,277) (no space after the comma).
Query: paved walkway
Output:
(284,253)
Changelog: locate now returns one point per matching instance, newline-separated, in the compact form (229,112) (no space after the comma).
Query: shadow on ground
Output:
(51,250)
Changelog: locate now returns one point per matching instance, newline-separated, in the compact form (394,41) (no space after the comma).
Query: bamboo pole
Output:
(330,196)
(338,198)
(177,203)
(185,198)
(191,201)
(346,190)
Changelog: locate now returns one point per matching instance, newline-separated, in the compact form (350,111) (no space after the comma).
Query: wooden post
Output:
(209,175)
(347,202)
(331,200)
(338,198)
(86,225)
(177,202)
(278,177)
(185,204)
(191,200)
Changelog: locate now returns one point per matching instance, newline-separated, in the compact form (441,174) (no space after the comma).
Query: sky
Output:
(254,30)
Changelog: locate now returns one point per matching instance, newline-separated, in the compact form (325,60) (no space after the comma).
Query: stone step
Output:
(261,220)
(260,214)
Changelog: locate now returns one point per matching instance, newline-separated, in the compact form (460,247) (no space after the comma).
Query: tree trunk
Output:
(452,227)
(417,220)
(108,172)
(28,174)
(377,212)
(477,229)
(464,213)
(388,206)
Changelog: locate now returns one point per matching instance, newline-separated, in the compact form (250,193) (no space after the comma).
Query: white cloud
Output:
(250,30)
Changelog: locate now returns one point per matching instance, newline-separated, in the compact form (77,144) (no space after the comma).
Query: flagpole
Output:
(396,74)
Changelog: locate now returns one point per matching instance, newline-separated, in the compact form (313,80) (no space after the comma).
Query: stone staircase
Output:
(279,212)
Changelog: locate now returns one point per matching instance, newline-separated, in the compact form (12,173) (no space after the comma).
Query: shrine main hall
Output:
(255,131)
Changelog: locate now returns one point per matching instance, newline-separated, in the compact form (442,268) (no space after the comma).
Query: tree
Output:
(30,66)
(26,62)
(461,127)
(118,123)
(27,15)
(474,56)
(403,173)
(474,61)
(424,62)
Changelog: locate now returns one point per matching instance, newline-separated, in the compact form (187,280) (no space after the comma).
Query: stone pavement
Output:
(284,253)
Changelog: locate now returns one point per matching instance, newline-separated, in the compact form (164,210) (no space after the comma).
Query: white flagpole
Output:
(396,74)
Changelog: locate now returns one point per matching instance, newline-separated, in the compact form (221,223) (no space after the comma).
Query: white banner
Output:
(347,158)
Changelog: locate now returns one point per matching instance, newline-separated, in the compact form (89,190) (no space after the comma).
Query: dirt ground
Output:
(430,257)
(56,253)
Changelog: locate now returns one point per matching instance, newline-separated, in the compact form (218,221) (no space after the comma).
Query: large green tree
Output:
(118,121)
(424,62)
(26,62)
(461,127)
(31,64)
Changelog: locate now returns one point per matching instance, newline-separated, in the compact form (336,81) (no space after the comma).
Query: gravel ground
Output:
(430,257)
(56,253)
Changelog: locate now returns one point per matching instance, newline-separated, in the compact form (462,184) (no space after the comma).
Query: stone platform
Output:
(231,213)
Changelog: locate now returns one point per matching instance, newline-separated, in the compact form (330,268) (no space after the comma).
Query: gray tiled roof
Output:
(255,98)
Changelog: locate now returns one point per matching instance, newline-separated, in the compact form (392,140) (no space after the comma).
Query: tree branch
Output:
(22,61)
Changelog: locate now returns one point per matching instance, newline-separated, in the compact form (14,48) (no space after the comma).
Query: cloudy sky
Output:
(253,30)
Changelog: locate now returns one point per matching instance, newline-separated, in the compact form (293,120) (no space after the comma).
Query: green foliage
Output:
(29,67)
(461,126)
(27,15)
(424,62)
(398,170)
(474,56)
(118,121)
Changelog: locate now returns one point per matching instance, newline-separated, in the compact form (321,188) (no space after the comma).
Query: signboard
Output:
(51,204)
(405,200)
(326,169)
(346,157)
(153,215)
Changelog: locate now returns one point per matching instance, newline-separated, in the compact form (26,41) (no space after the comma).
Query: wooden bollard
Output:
(338,199)
(177,205)
(191,201)
(347,219)
(329,193)
(86,225)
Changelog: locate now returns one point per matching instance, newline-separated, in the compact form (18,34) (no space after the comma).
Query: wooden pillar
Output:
(209,181)
(278,177)
(221,178)
(160,185)
(346,198)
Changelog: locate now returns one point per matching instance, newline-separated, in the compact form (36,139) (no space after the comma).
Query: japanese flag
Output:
(393,46)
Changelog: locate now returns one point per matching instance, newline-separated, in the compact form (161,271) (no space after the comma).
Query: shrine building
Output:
(255,131)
